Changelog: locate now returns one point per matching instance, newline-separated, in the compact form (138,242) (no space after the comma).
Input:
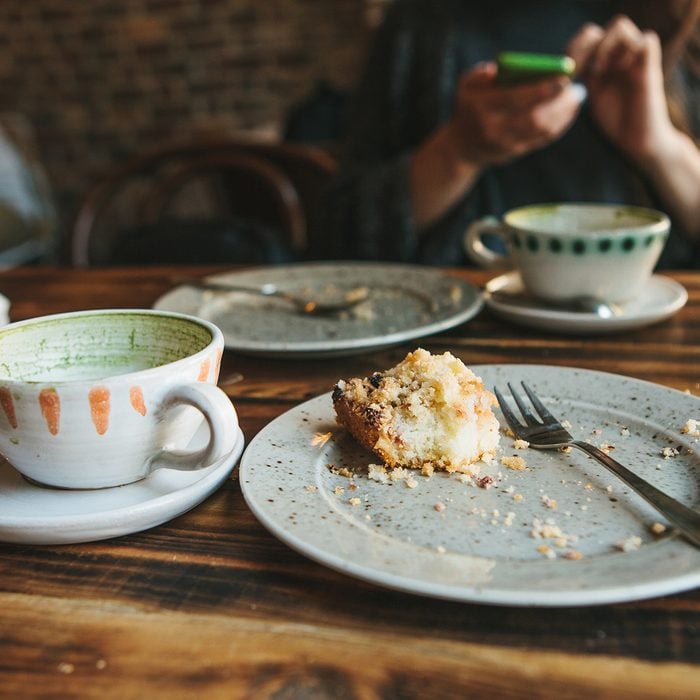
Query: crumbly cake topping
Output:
(429,411)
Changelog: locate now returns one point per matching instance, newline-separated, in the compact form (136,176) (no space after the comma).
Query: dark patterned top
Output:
(407,91)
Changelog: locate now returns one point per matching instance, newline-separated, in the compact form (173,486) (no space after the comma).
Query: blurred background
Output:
(87,85)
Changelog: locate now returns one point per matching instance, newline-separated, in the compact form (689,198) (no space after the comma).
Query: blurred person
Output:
(435,142)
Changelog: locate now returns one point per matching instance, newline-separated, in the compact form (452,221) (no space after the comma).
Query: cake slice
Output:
(427,411)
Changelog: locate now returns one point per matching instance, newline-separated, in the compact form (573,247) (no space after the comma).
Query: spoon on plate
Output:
(583,304)
(330,301)
(591,305)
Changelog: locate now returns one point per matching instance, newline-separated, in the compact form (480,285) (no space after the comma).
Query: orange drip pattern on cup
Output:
(204,370)
(8,406)
(217,364)
(50,404)
(136,399)
(99,399)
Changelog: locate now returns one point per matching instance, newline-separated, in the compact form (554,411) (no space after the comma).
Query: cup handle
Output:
(475,248)
(221,417)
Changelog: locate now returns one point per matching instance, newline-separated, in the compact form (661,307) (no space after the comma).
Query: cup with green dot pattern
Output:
(567,251)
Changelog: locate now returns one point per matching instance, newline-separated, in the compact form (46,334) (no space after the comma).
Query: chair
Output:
(274,187)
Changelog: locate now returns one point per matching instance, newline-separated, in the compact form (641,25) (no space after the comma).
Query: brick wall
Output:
(100,79)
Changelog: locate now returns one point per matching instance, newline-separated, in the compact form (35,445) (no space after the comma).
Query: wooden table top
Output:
(211,605)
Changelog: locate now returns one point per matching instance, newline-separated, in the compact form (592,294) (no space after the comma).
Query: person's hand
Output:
(493,124)
(622,69)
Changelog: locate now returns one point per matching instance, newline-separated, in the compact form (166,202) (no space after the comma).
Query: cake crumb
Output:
(515,463)
(657,528)
(573,555)
(320,439)
(549,502)
(377,472)
(520,444)
(439,506)
(691,428)
(354,501)
(669,452)
(485,482)
(549,530)
(398,474)
(311,488)
(547,551)
(629,544)
(340,471)
(338,490)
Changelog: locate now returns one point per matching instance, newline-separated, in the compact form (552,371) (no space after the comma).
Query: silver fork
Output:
(545,432)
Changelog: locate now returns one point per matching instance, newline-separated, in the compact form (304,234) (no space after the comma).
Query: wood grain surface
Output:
(210,605)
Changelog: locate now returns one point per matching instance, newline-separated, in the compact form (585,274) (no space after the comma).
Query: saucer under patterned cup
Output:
(657,301)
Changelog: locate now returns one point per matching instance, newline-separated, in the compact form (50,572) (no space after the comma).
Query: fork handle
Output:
(685,519)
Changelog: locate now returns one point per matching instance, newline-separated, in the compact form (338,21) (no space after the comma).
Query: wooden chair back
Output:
(278,185)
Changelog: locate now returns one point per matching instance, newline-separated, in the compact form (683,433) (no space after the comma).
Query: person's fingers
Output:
(619,48)
(481,75)
(652,48)
(583,45)
(519,98)
(547,121)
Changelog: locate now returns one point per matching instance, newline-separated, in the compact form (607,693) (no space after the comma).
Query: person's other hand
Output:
(493,124)
(622,69)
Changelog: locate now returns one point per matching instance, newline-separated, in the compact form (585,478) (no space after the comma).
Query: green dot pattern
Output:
(580,246)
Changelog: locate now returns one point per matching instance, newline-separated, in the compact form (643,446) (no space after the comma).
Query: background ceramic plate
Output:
(405,302)
(450,539)
(659,300)
(32,514)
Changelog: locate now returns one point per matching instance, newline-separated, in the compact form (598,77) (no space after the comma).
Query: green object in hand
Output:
(521,67)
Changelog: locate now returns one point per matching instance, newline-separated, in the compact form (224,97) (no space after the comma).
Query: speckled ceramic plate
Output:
(32,514)
(659,300)
(564,532)
(405,302)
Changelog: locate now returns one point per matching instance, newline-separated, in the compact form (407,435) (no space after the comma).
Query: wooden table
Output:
(211,605)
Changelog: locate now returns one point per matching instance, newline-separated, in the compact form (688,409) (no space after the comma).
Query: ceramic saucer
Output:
(31,514)
(4,310)
(660,299)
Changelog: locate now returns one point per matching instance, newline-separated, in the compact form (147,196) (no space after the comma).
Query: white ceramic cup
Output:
(569,251)
(94,399)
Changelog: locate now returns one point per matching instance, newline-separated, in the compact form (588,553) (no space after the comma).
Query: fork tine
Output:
(508,414)
(528,415)
(539,406)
